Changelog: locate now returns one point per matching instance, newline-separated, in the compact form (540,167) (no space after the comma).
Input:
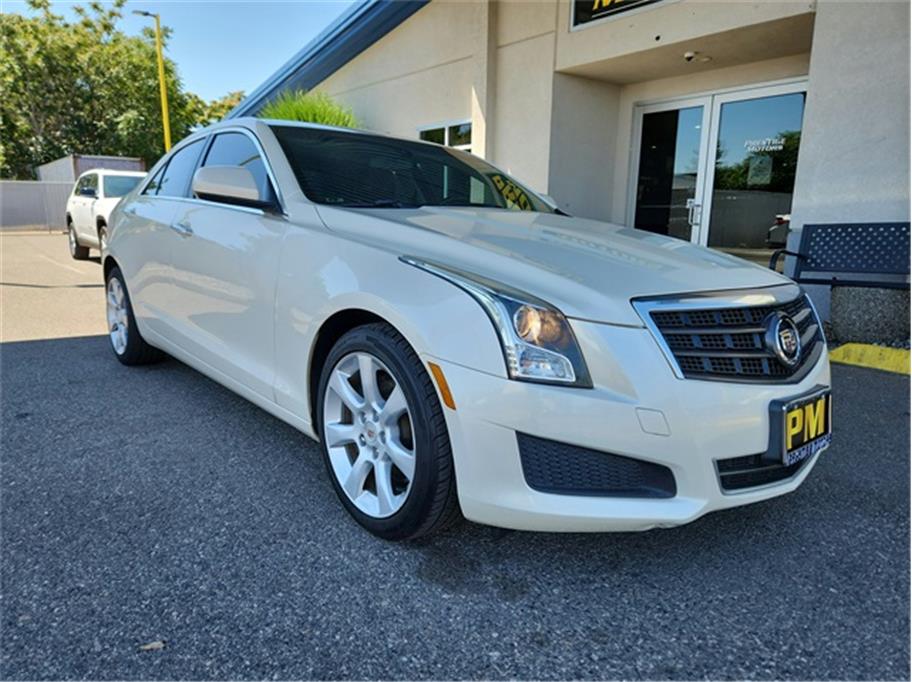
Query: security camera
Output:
(690,56)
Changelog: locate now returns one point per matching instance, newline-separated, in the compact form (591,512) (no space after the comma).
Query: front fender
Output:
(322,274)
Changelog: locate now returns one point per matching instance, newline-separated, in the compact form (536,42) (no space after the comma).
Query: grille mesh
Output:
(727,343)
(564,469)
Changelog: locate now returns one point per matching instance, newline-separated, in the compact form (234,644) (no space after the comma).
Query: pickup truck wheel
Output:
(77,251)
(384,437)
(102,237)
(126,341)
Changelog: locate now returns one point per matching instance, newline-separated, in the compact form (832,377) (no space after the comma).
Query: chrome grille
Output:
(728,343)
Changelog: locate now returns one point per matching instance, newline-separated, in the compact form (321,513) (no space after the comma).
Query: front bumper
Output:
(637,409)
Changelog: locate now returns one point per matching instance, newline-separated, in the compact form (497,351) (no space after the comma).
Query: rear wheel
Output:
(126,341)
(77,251)
(384,437)
(102,237)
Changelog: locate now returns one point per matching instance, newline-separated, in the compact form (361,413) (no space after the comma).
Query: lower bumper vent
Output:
(552,467)
(751,471)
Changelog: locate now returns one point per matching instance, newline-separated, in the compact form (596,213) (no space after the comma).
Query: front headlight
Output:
(537,341)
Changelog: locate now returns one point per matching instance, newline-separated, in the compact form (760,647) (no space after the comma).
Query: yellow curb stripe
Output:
(865,355)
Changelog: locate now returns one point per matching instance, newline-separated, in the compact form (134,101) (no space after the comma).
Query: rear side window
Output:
(119,185)
(176,180)
(236,149)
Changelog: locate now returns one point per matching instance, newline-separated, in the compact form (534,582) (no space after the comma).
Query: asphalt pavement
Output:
(157,526)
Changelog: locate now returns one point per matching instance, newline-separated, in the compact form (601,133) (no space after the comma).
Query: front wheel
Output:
(126,341)
(384,437)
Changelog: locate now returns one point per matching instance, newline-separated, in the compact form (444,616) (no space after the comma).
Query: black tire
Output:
(432,503)
(77,250)
(102,236)
(137,351)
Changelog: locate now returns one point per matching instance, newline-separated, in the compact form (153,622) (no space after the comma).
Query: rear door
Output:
(225,267)
(146,255)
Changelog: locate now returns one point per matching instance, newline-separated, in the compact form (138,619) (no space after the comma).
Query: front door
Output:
(224,271)
(720,170)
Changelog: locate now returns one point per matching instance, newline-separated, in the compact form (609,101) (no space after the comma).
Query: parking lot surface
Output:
(150,506)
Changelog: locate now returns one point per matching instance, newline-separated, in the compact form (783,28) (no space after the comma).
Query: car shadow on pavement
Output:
(152,504)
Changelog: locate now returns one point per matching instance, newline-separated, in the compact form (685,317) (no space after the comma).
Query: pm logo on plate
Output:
(783,338)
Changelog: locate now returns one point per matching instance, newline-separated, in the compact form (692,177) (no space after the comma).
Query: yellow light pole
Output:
(166,123)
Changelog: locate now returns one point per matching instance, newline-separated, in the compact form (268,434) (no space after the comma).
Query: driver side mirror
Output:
(229,185)
(88,192)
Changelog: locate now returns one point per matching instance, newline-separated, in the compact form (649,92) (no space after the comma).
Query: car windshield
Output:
(356,170)
(118,185)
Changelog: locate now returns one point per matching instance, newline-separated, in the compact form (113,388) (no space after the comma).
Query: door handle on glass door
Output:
(182,227)
(693,212)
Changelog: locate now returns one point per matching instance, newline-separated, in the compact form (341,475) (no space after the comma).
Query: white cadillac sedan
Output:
(458,344)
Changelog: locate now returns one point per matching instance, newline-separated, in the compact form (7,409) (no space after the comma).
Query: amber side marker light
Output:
(442,385)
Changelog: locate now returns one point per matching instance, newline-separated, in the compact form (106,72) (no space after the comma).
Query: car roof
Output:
(112,171)
(251,122)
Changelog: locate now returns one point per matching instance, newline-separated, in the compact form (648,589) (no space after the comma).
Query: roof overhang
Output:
(343,40)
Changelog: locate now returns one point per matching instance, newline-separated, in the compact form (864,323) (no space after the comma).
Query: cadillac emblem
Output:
(783,339)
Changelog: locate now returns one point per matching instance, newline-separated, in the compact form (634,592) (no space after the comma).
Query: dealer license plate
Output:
(807,427)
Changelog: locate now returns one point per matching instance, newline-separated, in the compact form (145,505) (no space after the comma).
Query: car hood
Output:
(586,268)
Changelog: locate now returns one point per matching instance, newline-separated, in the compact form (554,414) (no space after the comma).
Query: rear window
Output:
(357,170)
(118,185)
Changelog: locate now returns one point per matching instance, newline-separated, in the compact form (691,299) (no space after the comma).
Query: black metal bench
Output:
(851,254)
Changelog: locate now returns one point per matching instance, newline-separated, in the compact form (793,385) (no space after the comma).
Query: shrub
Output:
(310,107)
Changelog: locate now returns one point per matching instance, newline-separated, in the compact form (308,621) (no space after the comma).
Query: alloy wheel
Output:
(116,304)
(71,239)
(367,426)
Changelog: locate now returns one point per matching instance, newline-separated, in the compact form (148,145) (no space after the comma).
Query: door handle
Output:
(693,212)
(182,227)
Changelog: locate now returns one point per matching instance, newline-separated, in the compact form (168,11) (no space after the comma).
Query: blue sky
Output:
(224,45)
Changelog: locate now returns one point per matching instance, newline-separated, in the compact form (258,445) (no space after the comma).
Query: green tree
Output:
(83,87)
(217,109)
(310,107)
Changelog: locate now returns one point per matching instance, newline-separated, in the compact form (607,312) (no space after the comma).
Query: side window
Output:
(176,180)
(155,182)
(236,149)
(80,183)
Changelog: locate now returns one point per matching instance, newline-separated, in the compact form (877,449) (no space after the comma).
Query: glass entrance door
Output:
(720,170)
(750,191)
(670,169)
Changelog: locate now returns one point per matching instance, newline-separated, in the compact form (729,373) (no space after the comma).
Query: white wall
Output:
(853,164)
(584,125)
(417,75)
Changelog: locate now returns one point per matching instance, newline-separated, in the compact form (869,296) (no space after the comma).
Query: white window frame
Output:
(445,125)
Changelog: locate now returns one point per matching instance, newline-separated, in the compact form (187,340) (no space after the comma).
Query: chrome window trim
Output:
(207,139)
(733,298)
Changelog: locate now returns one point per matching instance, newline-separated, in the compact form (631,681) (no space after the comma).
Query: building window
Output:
(456,135)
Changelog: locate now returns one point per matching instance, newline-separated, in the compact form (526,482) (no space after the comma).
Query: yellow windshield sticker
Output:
(515,197)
